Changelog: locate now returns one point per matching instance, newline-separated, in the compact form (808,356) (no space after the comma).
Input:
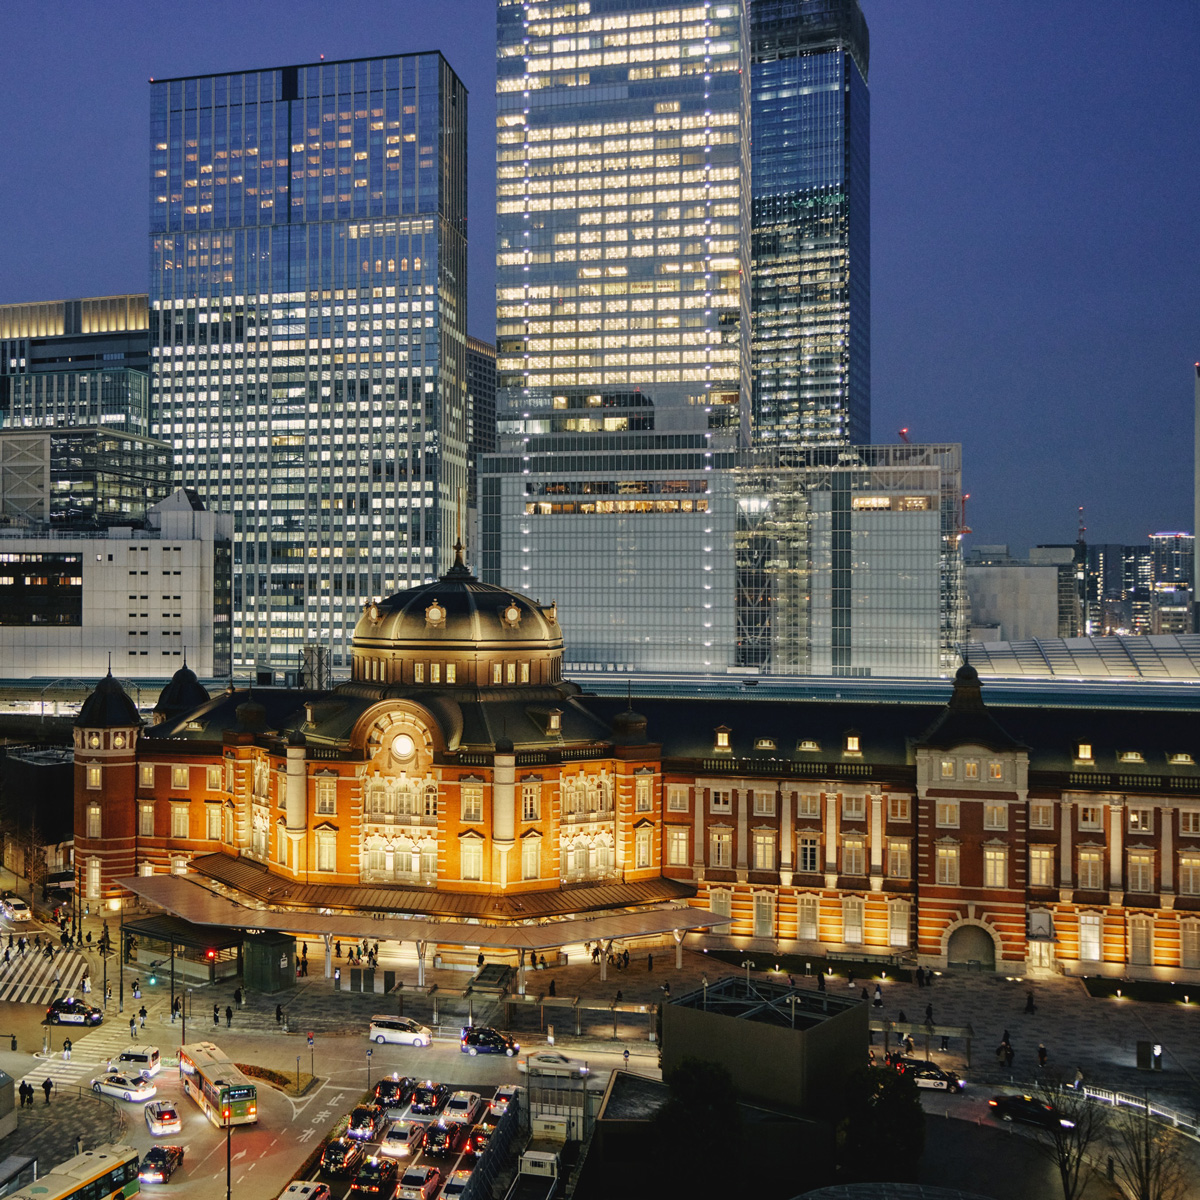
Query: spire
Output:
(110,664)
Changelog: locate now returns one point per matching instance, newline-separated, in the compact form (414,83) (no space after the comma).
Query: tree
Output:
(882,1132)
(1149,1158)
(1068,1146)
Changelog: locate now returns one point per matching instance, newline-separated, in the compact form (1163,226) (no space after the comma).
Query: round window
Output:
(403,747)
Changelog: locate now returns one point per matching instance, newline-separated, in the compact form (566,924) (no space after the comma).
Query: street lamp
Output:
(749,967)
(228,1153)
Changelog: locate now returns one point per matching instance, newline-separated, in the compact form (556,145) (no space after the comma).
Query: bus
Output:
(222,1092)
(106,1173)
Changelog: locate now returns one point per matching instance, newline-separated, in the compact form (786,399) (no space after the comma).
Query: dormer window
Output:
(1132,756)
(1083,752)
(555,724)
(853,743)
(808,746)
(721,737)
(1182,760)
(764,744)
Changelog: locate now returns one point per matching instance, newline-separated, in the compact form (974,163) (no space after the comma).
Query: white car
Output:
(504,1094)
(125,1087)
(15,909)
(403,1031)
(403,1140)
(305,1190)
(463,1106)
(455,1185)
(550,1062)
(419,1183)
(162,1117)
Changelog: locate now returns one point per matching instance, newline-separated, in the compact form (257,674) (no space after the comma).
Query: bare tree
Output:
(1068,1140)
(1149,1157)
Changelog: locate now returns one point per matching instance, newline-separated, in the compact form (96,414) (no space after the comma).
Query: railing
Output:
(1185,1123)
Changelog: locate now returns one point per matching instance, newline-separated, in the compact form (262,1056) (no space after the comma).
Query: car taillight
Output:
(993,1104)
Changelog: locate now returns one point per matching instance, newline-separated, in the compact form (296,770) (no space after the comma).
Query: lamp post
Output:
(228,1154)
(749,967)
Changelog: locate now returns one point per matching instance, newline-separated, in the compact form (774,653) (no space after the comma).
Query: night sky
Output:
(1035,192)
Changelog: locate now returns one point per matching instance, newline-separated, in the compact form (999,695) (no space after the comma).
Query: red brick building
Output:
(457,774)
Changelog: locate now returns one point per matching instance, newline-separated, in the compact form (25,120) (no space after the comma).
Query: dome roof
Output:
(108,707)
(183,693)
(251,716)
(458,612)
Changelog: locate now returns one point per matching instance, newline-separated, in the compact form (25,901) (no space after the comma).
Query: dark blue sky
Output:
(1035,192)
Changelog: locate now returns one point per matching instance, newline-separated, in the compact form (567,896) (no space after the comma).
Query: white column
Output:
(1116,830)
(876,835)
(787,835)
(421,963)
(831,802)
(504,807)
(743,829)
(679,935)
(1167,848)
(698,854)
(1066,817)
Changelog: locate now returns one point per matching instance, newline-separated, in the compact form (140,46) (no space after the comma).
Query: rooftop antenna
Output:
(629,695)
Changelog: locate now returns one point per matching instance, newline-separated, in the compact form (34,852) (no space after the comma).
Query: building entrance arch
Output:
(971,942)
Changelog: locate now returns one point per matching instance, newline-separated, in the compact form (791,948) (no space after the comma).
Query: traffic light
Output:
(153,979)
(211,955)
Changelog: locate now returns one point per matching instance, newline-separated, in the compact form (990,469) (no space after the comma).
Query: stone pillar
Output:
(698,848)
(742,861)
(831,846)
(327,938)
(876,843)
(1167,849)
(504,805)
(787,836)
(1116,834)
(679,936)
(421,963)
(1066,817)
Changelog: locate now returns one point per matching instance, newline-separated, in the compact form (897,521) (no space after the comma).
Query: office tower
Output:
(307,322)
(76,362)
(811,240)
(481,411)
(849,561)
(622,330)
(1173,556)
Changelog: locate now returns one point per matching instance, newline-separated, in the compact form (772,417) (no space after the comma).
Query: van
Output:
(402,1030)
(139,1060)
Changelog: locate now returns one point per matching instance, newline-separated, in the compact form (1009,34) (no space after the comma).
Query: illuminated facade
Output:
(622,322)
(811,272)
(76,362)
(307,323)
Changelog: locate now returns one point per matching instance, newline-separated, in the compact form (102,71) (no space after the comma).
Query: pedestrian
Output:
(1041,1054)
(1078,1079)
(337,949)
(1005,1039)
(303,949)
(878,996)
(47,1087)
(901,1017)
(479,961)
(89,939)
(216,1014)
(142,1015)
(650,961)
(791,982)
(542,961)
(596,953)
(278,1013)
(929,1014)
(108,994)
(87,986)
(552,991)
(304,967)
(137,989)
(618,996)
(820,981)
(66,1049)
(929,977)
(850,978)
(909,1044)
(626,1057)
(57,977)
(624,955)
(1030,1007)
(945,1041)
(6,956)
(920,978)
(133,1029)
(1009,1055)
(228,1017)
(237,997)
(21,1091)
(865,995)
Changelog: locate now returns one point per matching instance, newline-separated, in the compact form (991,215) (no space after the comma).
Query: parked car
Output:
(478,1139)
(15,909)
(159,1163)
(395,1091)
(456,1184)
(365,1122)
(403,1031)
(444,1138)
(342,1157)
(1029,1109)
(464,1106)
(124,1087)
(550,1062)
(403,1140)
(419,1183)
(162,1117)
(66,1010)
(376,1177)
(504,1094)
(483,1039)
(430,1097)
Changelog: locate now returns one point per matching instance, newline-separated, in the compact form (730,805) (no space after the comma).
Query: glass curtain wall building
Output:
(811,273)
(622,319)
(849,561)
(308,330)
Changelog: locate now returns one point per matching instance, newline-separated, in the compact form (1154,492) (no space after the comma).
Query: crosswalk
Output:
(34,979)
(90,1055)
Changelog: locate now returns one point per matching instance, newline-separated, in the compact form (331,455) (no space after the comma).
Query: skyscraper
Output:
(811,241)
(308,331)
(622,320)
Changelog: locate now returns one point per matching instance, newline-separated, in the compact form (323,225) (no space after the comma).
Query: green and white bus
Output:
(216,1084)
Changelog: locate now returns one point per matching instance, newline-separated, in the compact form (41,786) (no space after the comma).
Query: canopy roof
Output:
(184,897)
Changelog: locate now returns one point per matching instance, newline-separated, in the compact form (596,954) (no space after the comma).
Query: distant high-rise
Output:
(308,331)
(811,241)
(481,408)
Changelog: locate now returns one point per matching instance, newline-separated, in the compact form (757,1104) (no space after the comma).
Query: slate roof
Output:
(108,707)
